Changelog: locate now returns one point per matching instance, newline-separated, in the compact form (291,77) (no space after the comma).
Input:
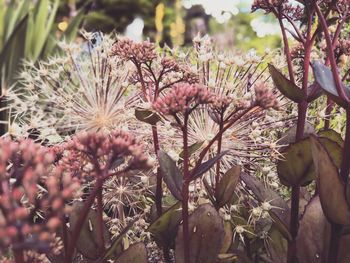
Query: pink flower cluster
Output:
(24,166)
(265,98)
(183,97)
(104,150)
(267,5)
(127,49)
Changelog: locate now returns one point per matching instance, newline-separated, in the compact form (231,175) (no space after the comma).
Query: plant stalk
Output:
(185,194)
(217,177)
(80,222)
(100,222)
(159,189)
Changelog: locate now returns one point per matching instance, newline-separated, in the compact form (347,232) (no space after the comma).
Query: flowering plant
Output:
(219,156)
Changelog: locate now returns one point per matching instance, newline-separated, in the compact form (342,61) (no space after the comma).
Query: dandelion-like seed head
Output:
(82,90)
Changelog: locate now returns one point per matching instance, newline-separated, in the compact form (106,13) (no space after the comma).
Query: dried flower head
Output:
(82,90)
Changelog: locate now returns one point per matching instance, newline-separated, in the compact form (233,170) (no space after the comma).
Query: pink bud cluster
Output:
(103,150)
(127,49)
(267,5)
(25,165)
(183,97)
(265,98)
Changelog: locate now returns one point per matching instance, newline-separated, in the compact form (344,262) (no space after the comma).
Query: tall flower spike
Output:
(182,98)
(82,90)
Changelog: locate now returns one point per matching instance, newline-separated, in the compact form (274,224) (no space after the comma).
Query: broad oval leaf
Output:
(164,228)
(332,135)
(313,234)
(285,86)
(206,234)
(324,78)
(147,116)
(171,174)
(136,253)
(227,186)
(330,185)
(87,243)
(296,168)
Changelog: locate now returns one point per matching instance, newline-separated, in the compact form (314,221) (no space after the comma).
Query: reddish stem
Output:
(331,56)
(185,193)
(159,189)
(19,257)
(302,111)
(287,50)
(217,177)
(216,137)
(80,222)
(100,223)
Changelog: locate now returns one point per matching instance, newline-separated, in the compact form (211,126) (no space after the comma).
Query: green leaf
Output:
(147,116)
(204,167)
(44,19)
(192,149)
(171,174)
(330,185)
(87,243)
(164,228)
(324,78)
(206,234)
(296,167)
(227,186)
(10,42)
(74,24)
(332,135)
(285,86)
(136,253)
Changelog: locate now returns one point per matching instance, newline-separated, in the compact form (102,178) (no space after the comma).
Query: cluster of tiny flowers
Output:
(106,149)
(265,98)
(24,166)
(127,49)
(267,5)
(183,97)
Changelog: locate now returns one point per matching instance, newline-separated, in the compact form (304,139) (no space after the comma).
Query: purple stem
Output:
(185,193)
